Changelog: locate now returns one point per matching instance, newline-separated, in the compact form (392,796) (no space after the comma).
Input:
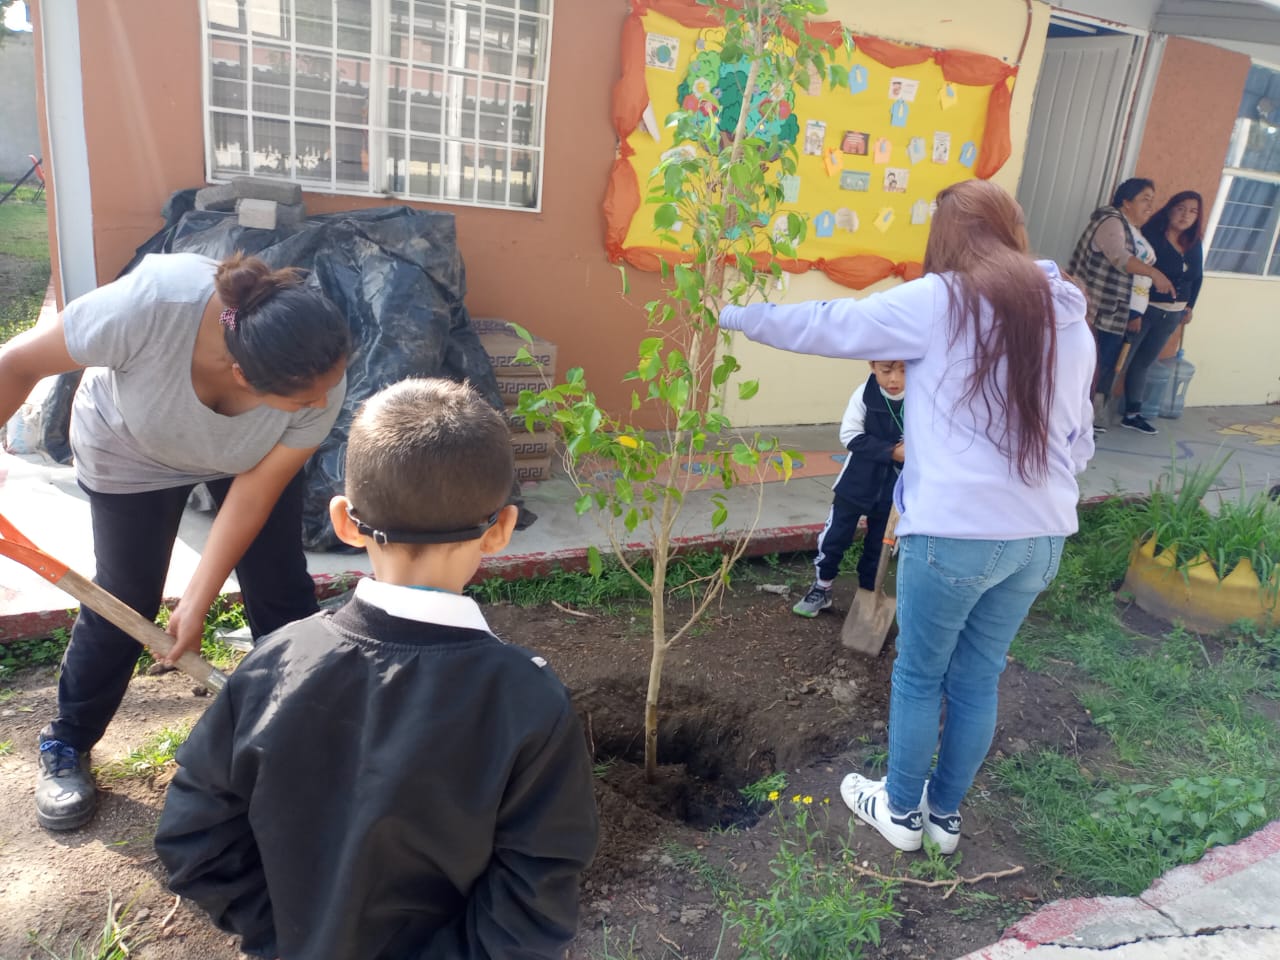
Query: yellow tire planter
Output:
(1195,595)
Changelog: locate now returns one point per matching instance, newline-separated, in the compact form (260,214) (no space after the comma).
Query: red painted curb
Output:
(1062,918)
(1218,863)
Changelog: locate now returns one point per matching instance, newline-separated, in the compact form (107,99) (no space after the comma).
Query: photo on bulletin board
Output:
(858,159)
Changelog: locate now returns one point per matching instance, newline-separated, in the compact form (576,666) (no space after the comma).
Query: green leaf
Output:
(744,455)
(626,283)
(666,216)
(582,504)
(595,566)
(520,332)
(748,389)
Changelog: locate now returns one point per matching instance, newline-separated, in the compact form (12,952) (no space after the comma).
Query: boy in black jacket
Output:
(872,432)
(391,780)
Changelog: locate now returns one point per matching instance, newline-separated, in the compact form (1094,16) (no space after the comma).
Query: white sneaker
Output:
(868,799)
(942,830)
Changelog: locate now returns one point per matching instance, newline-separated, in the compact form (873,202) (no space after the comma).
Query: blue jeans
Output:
(1157,327)
(960,602)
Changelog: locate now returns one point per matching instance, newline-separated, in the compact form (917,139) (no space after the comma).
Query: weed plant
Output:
(116,941)
(149,757)
(814,909)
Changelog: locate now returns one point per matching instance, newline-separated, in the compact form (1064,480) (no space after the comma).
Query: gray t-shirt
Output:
(137,424)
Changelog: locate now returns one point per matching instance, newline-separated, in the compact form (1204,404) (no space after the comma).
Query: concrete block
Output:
(1097,923)
(221,196)
(260,188)
(501,344)
(258,214)
(290,214)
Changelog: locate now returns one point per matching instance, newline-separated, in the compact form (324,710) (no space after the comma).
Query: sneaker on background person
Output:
(814,602)
(869,800)
(1140,423)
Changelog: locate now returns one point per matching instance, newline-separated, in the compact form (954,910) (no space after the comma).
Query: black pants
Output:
(1157,327)
(133,537)
(837,535)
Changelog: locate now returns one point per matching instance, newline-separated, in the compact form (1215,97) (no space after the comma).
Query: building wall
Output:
(1184,146)
(801,389)
(18,105)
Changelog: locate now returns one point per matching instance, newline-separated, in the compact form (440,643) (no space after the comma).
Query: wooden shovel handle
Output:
(890,538)
(17,547)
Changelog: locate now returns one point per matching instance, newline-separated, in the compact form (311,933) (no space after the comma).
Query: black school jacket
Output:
(869,432)
(369,787)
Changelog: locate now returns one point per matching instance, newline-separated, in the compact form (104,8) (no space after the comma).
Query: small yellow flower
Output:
(627,441)
(826,799)
(796,798)
(773,794)
(808,800)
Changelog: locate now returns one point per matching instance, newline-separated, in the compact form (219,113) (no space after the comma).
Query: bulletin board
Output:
(871,155)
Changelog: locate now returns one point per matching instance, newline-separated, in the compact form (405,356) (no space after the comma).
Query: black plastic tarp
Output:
(396,274)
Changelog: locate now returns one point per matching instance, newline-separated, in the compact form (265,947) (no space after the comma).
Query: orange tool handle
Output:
(15,546)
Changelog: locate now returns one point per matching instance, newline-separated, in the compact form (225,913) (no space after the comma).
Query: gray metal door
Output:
(1076,124)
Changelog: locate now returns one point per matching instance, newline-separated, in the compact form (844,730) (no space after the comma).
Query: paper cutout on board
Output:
(813,84)
(896,179)
(898,113)
(883,150)
(941,147)
(832,162)
(857,180)
(855,142)
(947,97)
(915,149)
(846,219)
(790,188)
(649,122)
(919,213)
(815,132)
(900,88)
(683,152)
(661,51)
(824,224)
(884,219)
(968,154)
(857,78)
(780,229)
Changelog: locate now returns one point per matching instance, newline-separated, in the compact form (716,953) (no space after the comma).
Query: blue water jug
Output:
(1159,382)
(1173,399)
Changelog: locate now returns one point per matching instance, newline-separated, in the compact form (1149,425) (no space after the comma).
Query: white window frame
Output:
(376,129)
(1219,201)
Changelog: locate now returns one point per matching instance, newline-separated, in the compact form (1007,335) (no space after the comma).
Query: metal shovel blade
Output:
(866,627)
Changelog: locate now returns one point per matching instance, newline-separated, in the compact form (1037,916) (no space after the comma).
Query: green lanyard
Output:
(893,413)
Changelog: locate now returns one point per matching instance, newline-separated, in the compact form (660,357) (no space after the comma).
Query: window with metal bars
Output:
(1244,226)
(438,100)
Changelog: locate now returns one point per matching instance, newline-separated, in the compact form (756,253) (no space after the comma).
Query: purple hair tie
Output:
(228,318)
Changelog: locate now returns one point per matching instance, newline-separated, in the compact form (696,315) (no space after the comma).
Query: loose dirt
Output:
(756,690)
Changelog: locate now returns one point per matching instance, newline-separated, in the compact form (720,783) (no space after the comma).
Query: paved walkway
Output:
(1226,907)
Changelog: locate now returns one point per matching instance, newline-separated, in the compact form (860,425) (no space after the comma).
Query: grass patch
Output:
(1195,759)
(24,261)
(41,652)
(116,941)
(149,757)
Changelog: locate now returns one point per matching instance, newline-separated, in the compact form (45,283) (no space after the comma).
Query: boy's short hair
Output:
(428,455)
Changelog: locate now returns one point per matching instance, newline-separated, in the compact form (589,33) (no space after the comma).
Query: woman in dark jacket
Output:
(1174,233)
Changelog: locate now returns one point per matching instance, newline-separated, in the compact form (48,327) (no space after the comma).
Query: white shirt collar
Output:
(425,606)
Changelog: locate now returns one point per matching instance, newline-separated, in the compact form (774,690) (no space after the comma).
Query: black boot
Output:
(65,794)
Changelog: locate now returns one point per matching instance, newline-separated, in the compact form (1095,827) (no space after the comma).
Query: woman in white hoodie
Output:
(997,424)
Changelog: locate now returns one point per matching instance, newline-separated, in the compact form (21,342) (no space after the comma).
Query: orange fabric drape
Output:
(631,96)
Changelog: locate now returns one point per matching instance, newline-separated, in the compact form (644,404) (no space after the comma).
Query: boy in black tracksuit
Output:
(872,432)
(391,780)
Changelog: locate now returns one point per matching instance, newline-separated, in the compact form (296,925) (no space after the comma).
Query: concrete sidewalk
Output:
(44,502)
(1226,907)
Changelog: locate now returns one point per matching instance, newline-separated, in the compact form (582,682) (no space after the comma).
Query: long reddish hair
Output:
(1001,299)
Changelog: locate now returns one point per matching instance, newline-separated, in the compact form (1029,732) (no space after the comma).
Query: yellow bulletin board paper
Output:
(886,141)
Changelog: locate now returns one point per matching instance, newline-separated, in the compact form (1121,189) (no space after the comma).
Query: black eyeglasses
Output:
(424,536)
